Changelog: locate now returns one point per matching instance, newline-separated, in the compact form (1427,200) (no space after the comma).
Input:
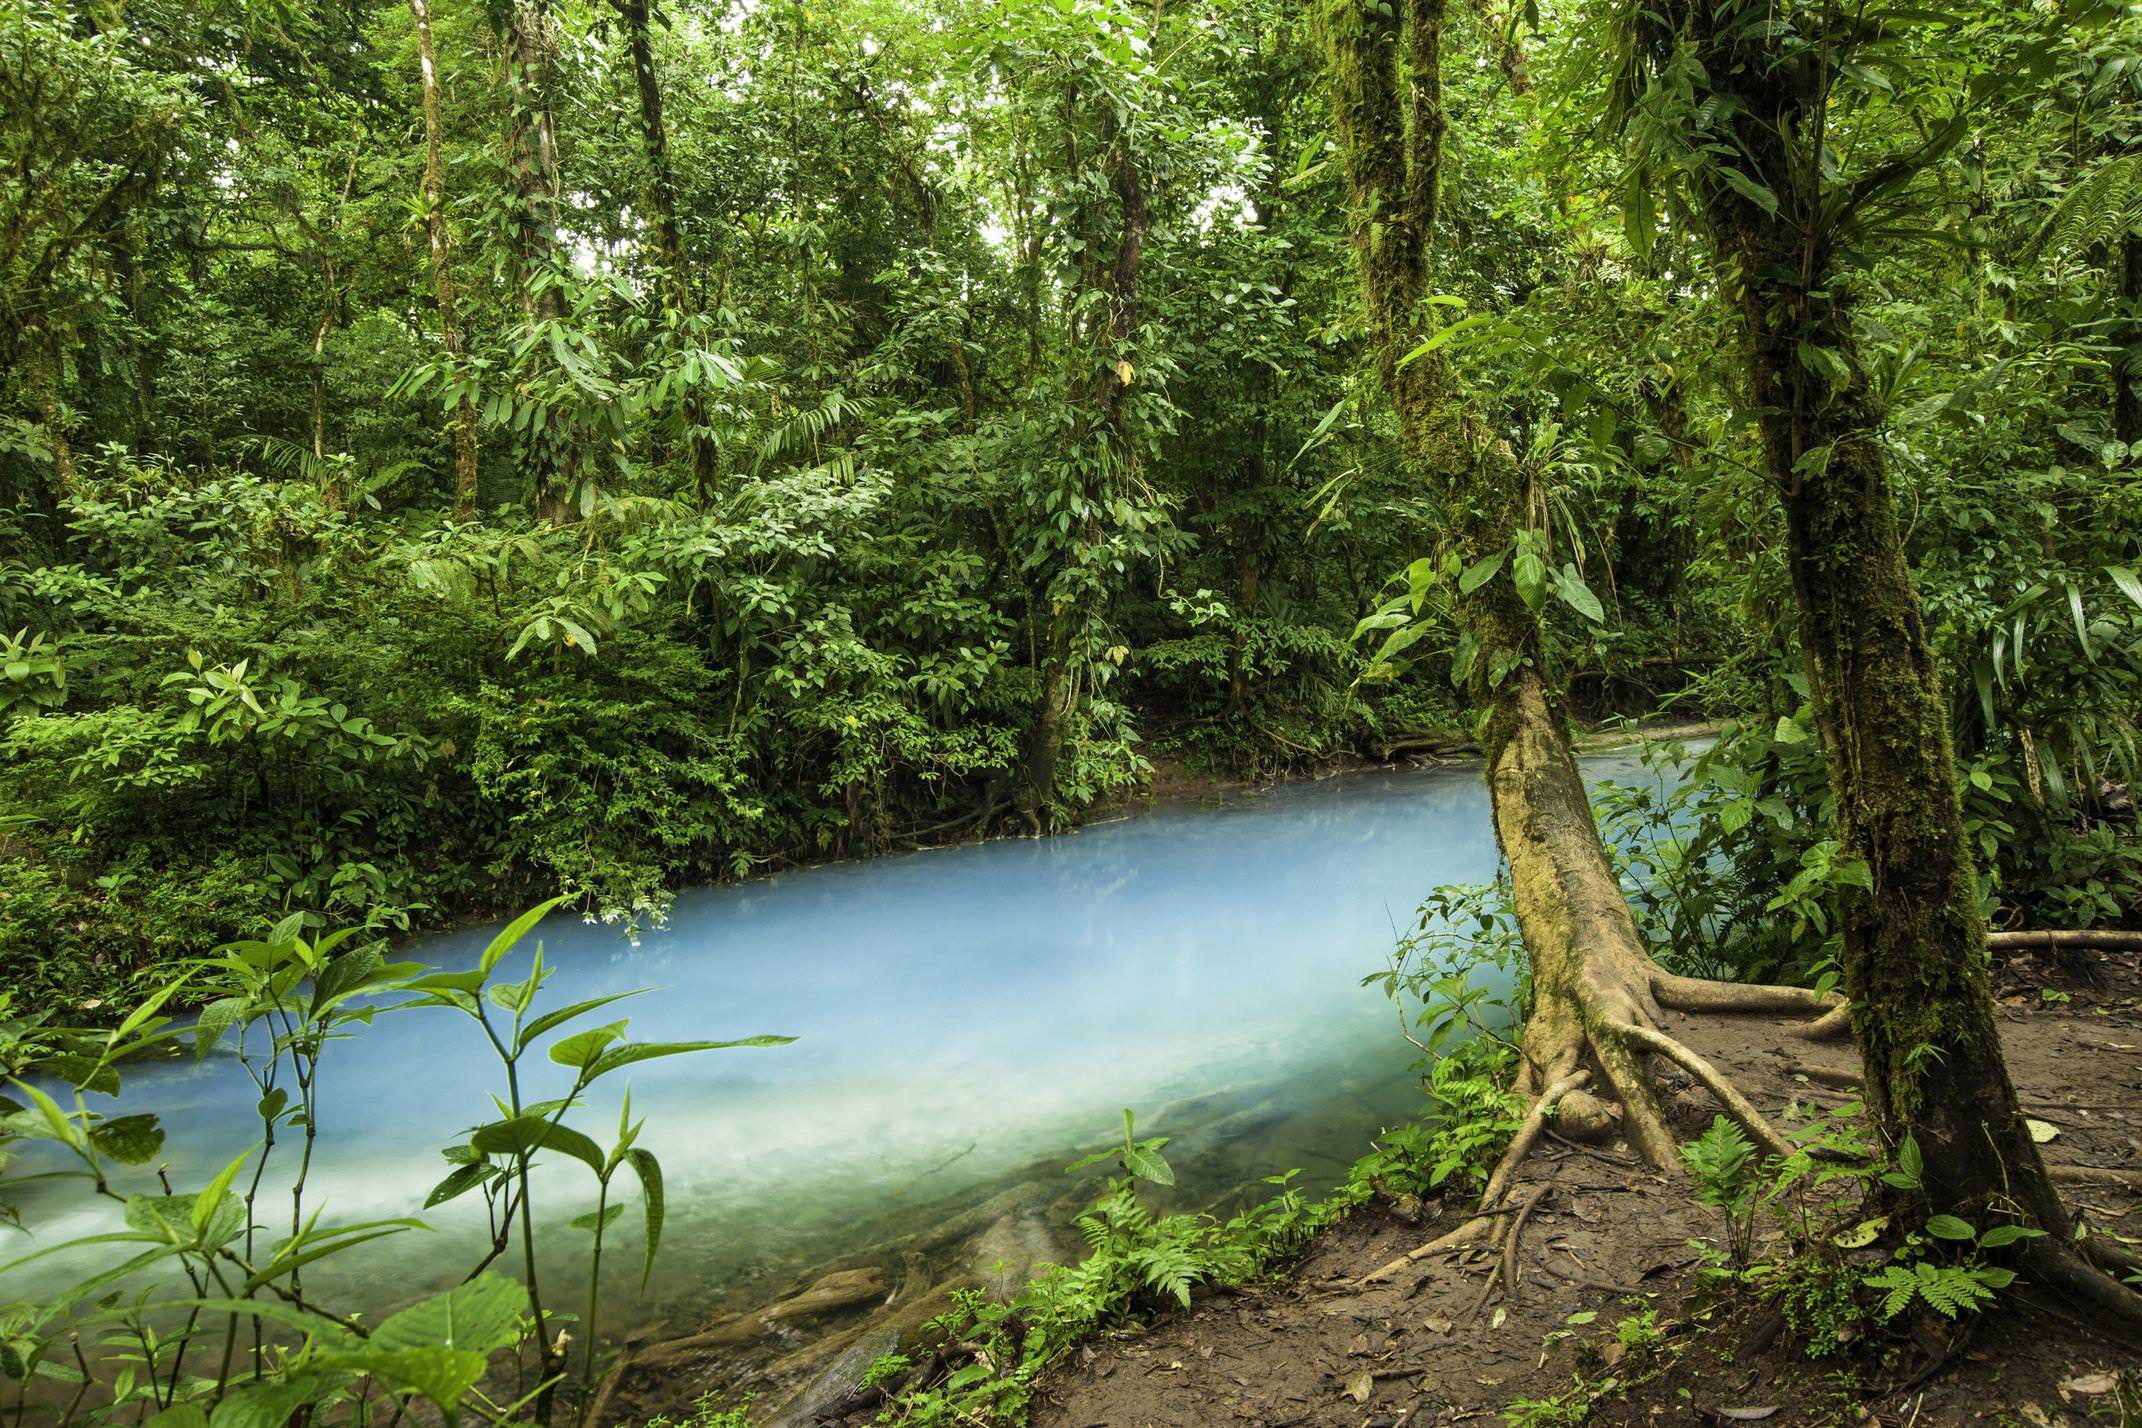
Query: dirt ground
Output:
(1608,1240)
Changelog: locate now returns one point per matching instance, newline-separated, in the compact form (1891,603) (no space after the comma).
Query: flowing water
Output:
(966,1017)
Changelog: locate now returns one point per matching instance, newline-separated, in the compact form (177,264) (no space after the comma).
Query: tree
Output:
(666,233)
(440,242)
(1741,104)
(1596,992)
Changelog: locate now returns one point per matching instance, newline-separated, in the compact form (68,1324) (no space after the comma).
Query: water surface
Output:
(961,1013)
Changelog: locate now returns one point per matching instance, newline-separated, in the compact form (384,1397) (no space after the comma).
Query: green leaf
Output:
(269,1404)
(635,1051)
(524,1135)
(2130,584)
(481,1315)
(130,1140)
(1949,1227)
(442,1375)
(553,1019)
(210,1201)
(1756,193)
(1148,1165)
(2001,1236)
(1570,586)
(511,934)
(1480,572)
(461,1180)
(583,1047)
(605,1219)
(649,1170)
(1442,337)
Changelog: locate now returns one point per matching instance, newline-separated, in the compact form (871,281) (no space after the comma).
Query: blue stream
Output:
(962,1014)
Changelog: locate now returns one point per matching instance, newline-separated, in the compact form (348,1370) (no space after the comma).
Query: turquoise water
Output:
(963,1015)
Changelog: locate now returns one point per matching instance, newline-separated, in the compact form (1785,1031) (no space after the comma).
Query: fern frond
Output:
(2104,204)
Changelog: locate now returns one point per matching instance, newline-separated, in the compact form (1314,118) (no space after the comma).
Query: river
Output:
(965,1017)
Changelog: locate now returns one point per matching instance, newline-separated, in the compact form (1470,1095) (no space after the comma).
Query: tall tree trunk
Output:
(1915,959)
(1596,993)
(1109,389)
(533,142)
(442,270)
(1915,962)
(678,294)
(43,366)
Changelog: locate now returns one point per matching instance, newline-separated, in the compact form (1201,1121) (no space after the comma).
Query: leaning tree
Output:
(1598,997)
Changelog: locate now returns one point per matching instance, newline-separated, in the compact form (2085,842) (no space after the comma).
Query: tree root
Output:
(1697,994)
(1491,1206)
(1833,1025)
(1505,1268)
(1843,1078)
(2067,1273)
(2096,1175)
(1736,1105)
(2091,939)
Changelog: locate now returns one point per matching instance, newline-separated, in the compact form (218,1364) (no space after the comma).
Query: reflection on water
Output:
(962,1013)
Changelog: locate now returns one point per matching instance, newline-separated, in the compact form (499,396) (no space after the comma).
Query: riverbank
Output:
(1605,1311)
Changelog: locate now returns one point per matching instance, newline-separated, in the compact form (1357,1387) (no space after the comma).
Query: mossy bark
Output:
(1106,427)
(1915,960)
(2127,354)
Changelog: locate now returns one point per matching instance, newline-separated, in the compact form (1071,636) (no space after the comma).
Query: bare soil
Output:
(1608,1239)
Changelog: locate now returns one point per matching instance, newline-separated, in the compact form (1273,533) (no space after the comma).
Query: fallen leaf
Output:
(1748,1415)
(2041,1131)
(1360,1386)
(1501,1317)
(1862,1234)
(2089,1383)
(1436,1324)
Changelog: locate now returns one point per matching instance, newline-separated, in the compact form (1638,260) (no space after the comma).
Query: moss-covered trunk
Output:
(1915,960)
(1592,976)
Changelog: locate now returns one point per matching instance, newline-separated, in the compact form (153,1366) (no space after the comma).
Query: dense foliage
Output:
(897,422)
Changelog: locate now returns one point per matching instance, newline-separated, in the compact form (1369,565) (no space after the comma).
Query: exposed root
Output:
(2110,1257)
(2066,1273)
(1843,1078)
(1505,1267)
(2097,1175)
(1491,1206)
(1603,1286)
(1832,1025)
(1736,1105)
(2092,939)
(1697,994)
(1511,1270)
(600,1403)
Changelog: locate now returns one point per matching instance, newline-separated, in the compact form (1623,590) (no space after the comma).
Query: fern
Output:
(2104,204)
(1951,1290)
